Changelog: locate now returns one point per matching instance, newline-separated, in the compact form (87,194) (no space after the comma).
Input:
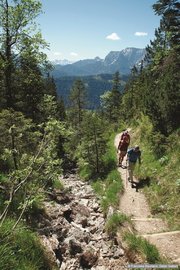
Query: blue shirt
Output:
(133,155)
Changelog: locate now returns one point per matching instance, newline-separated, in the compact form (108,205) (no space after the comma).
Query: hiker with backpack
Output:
(133,154)
(123,146)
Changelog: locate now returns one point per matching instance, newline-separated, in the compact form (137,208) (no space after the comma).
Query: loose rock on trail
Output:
(73,227)
(73,230)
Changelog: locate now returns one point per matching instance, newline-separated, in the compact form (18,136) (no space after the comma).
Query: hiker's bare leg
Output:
(123,153)
(131,166)
(119,158)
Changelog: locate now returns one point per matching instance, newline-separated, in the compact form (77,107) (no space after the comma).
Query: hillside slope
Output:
(134,204)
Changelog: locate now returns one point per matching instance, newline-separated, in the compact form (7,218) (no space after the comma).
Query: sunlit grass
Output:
(163,172)
(139,245)
(20,249)
(114,222)
(110,186)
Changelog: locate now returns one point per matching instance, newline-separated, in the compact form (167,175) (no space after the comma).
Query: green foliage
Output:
(142,246)
(48,107)
(96,86)
(159,144)
(110,157)
(20,249)
(164,160)
(154,91)
(78,100)
(57,184)
(110,101)
(114,222)
(160,168)
(20,37)
(145,127)
(169,10)
(114,187)
(109,186)
(98,187)
(157,141)
(106,103)
(108,190)
(34,170)
(93,146)
(17,137)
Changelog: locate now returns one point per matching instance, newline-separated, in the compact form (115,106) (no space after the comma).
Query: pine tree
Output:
(170,12)
(78,101)
(29,87)
(111,100)
(94,143)
(116,97)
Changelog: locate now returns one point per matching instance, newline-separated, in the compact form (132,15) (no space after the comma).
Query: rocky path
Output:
(73,230)
(133,203)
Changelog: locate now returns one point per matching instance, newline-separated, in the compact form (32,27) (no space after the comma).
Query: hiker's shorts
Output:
(123,153)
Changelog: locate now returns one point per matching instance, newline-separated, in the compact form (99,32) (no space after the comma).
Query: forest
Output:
(95,86)
(43,137)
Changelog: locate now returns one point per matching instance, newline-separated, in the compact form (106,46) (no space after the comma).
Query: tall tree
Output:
(116,97)
(94,143)
(78,101)
(29,87)
(155,91)
(111,100)
(16,20)
(170,12)
(50,86)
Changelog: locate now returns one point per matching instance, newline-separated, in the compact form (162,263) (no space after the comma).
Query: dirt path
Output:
(133,203)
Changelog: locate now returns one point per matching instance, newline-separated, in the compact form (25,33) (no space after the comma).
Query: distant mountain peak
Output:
(61,62)
(121,61)
(111,57)
(97,58)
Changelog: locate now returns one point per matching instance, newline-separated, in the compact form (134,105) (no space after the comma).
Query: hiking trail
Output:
(133,203)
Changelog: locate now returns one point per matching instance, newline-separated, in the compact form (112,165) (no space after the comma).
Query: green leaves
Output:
(78,100)
(31,159)
(111,100)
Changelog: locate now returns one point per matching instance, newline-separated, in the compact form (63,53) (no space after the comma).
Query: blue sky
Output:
(84,29)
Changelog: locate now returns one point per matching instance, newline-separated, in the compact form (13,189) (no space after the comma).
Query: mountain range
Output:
(121,61)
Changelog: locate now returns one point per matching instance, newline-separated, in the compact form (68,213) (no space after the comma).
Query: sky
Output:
(84,29)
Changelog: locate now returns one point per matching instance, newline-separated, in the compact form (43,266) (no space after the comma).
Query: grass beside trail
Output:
(138,245)
(110,186)
(160,170)
(20,249)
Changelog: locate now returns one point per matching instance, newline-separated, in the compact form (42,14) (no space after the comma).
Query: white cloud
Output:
(113,36)
(74,54)
(140,34)
(57,53)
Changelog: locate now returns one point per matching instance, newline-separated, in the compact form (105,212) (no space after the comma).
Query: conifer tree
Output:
(29,87)
(170,12)
(155,91)
(93,146)
(111,100)
(78,101)
(50,86)
(116,97)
